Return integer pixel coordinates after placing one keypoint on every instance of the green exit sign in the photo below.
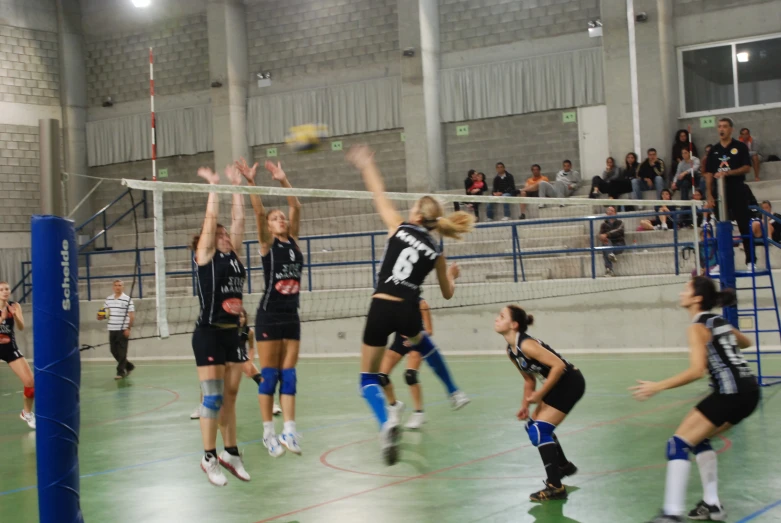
(336, 146)
(569, 117)
(271, 152)
(403, 137)
(162, 173)
(707, 122)
(462, 130)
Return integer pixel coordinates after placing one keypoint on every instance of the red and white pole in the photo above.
(152, 98)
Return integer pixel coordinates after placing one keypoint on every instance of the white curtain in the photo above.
(540, 83)
(359, 107)
(128, 138)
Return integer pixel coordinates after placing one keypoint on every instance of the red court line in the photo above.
(470, 462)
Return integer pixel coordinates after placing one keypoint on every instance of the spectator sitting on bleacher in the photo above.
(680, 144)
(609, 182)
(611, 233)
(650, 175)
(477, 188)
(567, 182)
(687, 174)
(532, 187)
(467, 183)
(753, 150)
(773, 227)
(504, 185)
(661, 221)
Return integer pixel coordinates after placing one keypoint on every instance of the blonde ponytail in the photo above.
(455, 225)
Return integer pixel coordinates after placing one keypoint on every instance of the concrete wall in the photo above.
(518, 141)
(763, 125)
(19, 176)
(29, 68)
(693, 7)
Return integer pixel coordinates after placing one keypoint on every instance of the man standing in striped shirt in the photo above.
(121, 314)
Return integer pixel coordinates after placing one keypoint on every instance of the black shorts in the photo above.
(729, 408)
(216, 346)
(10, 352)
(567, 391)
(271, 325)
(386, 317)
(398, 346)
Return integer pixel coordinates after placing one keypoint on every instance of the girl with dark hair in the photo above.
(715, 349)
(562, 387)
(609, 182)
(661, 221)
(683, 141)
(11, 318)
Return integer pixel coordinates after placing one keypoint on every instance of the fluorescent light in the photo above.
(742, 57)
(142, 3)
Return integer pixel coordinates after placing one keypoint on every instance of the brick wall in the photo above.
(472, 24)
(29, 66)
(327, 169)
(19, 176)
(687, 7)
(118, 65)
(518, 141)
(302, 37)
(763, 125)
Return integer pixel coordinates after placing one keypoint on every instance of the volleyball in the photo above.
(102, 314)
(306, 138)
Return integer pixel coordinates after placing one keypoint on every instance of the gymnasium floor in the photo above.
(140, 452)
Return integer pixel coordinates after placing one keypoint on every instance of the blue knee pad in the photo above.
(540, 432)
(704, 446)
(212, 398)
(269, 378)
(287, 384)
(677, 448)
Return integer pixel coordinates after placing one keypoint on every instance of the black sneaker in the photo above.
(549, 493)
(523, 216)
(568, 470)
(664, 518)
(705, 512)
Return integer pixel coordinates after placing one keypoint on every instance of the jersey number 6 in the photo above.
(405, 263)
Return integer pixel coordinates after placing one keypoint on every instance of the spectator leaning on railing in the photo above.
(504, 185)
(611, 233)
(566, 183)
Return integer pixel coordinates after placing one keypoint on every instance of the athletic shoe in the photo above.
(130, 368)
(505, 218)
(29, 418)
(664, 518)
(211, 466)
(714, 271)
(119, 376)
(234, 464)
(389, 442)
(568, 470)
(705, 512)
(664, 226)
(276, 410)
(395, 412)
(459, 400)
(415, 421)
(196, 413)
(609, 273)
(275, 450)
(549, 493)
(750, 267)
(289, 440)
(612, 257)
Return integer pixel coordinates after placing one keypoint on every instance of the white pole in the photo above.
(630, 18)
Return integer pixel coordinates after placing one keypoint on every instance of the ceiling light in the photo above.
(142, 3)
(742, 57)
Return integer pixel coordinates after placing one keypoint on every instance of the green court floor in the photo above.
(140, 452)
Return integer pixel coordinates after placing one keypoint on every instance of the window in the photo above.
(729, 76)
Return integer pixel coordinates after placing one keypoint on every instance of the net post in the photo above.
(160, 283)
(726, 252)
(57, 365)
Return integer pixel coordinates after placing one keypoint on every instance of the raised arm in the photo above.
(447, 277)
(237, 211)
(363, 158)
(207, 243)
(264, 235)
(294, 205)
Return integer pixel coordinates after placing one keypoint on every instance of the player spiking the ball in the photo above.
(411, 253)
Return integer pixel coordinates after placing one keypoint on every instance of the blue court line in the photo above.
(759, 512)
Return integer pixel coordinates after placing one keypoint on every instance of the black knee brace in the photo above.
(411, 376)
(384, 379)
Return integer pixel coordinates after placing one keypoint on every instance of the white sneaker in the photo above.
(612, 257)
(275, 450)
(276, 410)
(664, 226)
(29, 418)
(714, 271)
(458, 400)
(196, 413)
(415, 421)
(289, 440)
(750, 267)
(505, 218)
(389, 442)
(234, 464)
(395, 412)
(211, 467)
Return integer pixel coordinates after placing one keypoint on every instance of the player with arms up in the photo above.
(714, 348)
(411, 253)
(562, 387)
(10, 318)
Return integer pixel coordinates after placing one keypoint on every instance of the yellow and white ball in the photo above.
(306, 138)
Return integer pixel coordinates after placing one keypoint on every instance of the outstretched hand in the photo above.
(210, 176)
(644, 390)
(232, 174)
(247, 171)
(361, 156)
(276, 171)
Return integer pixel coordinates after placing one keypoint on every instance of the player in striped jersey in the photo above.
(562, 387)
(11, 318)
(220, 278)
(714, 348)
(411, 253)
(277, 325)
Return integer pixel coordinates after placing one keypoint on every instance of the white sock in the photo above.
(709, 474)
(268, 429)
(290, 427)
(675, 487)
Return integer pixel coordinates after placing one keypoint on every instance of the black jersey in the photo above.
(729, 158)
(7, 327)
(410, 255)
(728, 370)
(282, 275)
(243, 336)
(220, 289)
(530, 365)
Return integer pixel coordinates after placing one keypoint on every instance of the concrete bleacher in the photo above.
(327, 217)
